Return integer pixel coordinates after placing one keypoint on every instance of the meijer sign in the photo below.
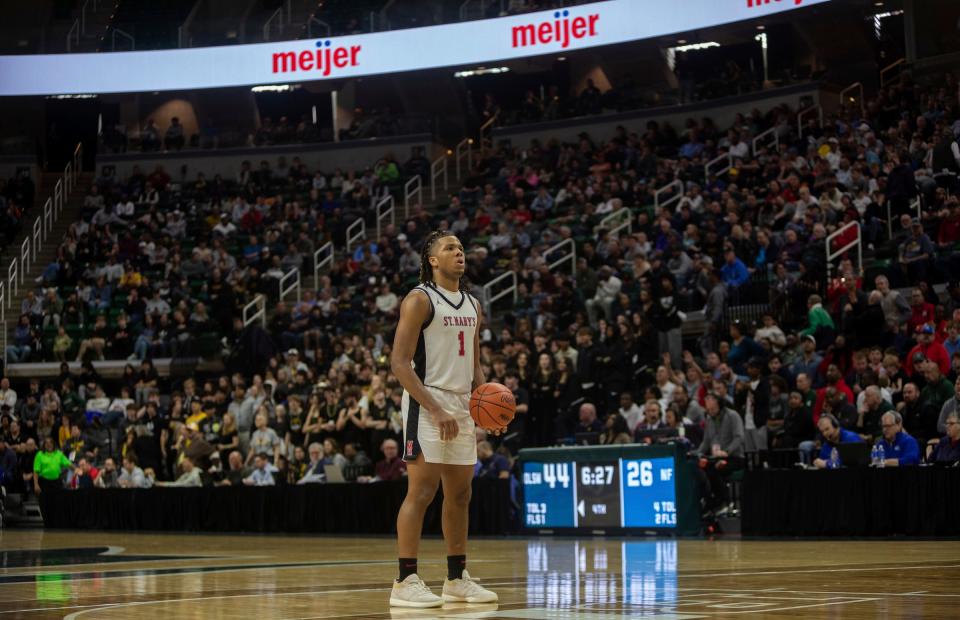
(468, 43)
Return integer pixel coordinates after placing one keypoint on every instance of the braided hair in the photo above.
(426, 271)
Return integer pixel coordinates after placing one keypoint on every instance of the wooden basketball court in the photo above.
(112, 575)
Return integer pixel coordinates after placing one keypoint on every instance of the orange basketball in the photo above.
(492, 406)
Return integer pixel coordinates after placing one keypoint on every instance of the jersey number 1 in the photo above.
(460, 338)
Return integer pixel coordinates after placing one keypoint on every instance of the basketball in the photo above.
(492, 406)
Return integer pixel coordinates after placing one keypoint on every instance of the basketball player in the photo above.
(435, 358)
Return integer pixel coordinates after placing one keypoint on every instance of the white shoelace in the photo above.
(420, 586)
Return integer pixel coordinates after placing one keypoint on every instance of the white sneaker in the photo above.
(466, 590)
(413, 592)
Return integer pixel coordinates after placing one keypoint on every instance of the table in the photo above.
(912, 501)
(349, 508)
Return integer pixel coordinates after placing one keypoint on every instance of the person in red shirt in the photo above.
(928, 348)
(921, 312)
(392, 467)
(834, 380)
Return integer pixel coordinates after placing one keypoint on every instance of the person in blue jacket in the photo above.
(734, 273)
(833, 436)
(899, 448)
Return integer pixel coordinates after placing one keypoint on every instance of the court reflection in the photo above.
(586, 574)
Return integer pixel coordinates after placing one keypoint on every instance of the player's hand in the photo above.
(499, 431)
(446, 424)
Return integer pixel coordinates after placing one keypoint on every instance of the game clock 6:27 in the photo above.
(598, 494)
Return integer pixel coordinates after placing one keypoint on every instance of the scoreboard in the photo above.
(602, 488)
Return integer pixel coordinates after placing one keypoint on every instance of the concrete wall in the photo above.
(601, 127)
(355, 155)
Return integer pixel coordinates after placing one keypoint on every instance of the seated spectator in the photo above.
(235, 473)
(832, 435)
(262, 474)
(721, 450)
(899, 448)
(491, 465)
(107, 478)
(587, 421)
(173, 139)
(131, 476)
(652, 418)
(8, 465)
(629, 411)
(947, 450)
(392, 467)
(819, 322)
(616, 431)
(189, 478)
(314, 468)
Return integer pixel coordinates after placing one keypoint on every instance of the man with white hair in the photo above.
(899, 448)
(872, 409)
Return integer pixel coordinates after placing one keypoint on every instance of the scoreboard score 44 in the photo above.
(616, 494)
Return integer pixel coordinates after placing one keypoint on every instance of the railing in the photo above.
(677, 186)
(13, 285)
(24, 259)
(355, 232)
(489, 298)
(183, 30)
(123, 35)
(464, 150)
(385, 209)
(896, 65)
(290, 283)
(73, 35)
(319, 263)
(615, 222)
(19, 266)
(570, 256)
(856, 86)
(438, 169)
(412, 189)
(322, 24)
(856, 242)
(766, 134)
(275, 19)
(804, 113)
(486, 132)
(726, 157)
(83, 15)
(256, 309)
(3, 312)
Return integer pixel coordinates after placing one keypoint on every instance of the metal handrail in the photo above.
(770, 132)
(291, 276)
(489, 300)
(278, 16)
(58, 196)
(313, 20)
(803, 113)
(354, 237)
(385, 209)
(73, 35)
(571, 255)
(83, 15)
(37, 235)
(413, 187)
(484, 129)
(183, 30)
(24, 259)
(3, 311)
(318, 262)
(259, 304)
(615, 222)
(858, 86)
(47, 219)
(857, 242)
(13, 284)
(718, 159)
(438, 168)
(125, 35)
(890, 67)
(464, 149)
(677, 197)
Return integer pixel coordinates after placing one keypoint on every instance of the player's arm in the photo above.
(414, 312)
(478, 377)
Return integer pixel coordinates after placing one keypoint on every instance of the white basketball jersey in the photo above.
(445, 353)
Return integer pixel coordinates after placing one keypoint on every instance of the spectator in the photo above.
(869, 414)
(916, 254)
(721, 449)
(587, 421)
(652, 418)
(616, 431)
(263, 440)
(314, 469)
(899, 448)
(734, 273)
(947, 449)
(262, 474)
(950, 406)
(819, 323)
(629, 411)
(236, 472)
(189, 478)
(927, 349)
(491, 465)
(608, 288)
(173, 138)
(107, 478)
(832, 435)
(131, 476)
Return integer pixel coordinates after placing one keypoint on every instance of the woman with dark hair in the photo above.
(48, 467)
(615, 431)
(543, 402)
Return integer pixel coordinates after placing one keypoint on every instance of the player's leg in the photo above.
(422, 481)
(459, 587)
